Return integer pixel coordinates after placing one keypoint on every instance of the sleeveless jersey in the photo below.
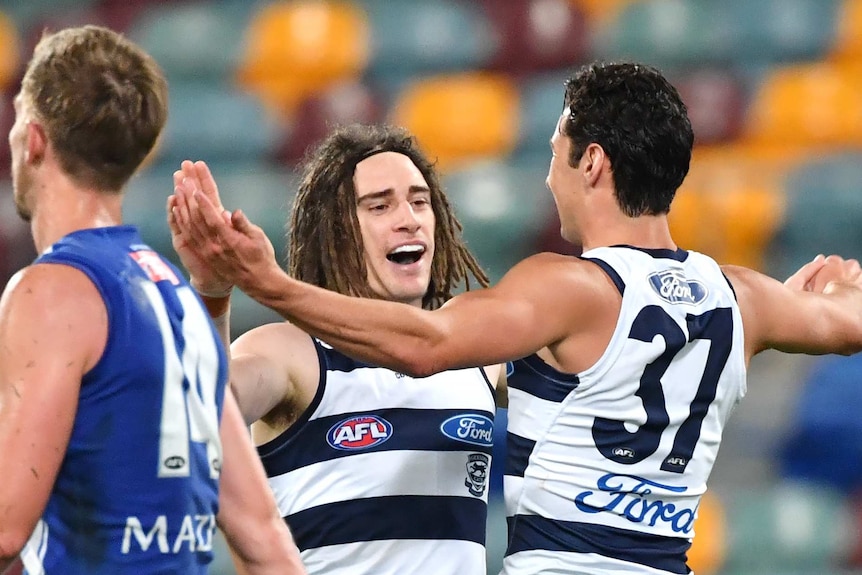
(605, 468)
(385, 474)
(137, 491)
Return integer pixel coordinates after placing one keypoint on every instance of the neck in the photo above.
(61, 207)
(650, 232)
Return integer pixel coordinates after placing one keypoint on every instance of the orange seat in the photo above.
(731, 204)
(10, 52)
(708, 548)
(814, 104)
(294, 49)
(848, 36)
(601, 11)
(461, 117)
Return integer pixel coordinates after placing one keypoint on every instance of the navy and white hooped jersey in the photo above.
(385, 474)
(605, 468)
(137, 491)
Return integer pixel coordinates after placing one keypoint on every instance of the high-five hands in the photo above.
(224, 248)
(826, 274)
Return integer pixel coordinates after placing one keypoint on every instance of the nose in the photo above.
(407, 219)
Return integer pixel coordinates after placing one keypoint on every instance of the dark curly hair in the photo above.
(324, 242)
(640, 121)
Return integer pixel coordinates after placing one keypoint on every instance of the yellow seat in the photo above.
(294, 49)
(10, 52)
(814, 104)
(461, 117)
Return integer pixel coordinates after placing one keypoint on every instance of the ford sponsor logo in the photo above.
(673, 287)
(470, 428)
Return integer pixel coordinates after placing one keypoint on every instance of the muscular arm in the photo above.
(257, 535)
(796, 320)
(273, 365)
(541, 302)
(53, 328)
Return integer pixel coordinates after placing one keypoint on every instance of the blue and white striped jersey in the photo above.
(606, 467)
(385, 474)
(137, 491)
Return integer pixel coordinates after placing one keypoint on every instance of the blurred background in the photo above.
(774, 90)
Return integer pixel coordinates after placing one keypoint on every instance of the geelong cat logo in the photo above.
(673, 287)
(359, 432)
(470, 428)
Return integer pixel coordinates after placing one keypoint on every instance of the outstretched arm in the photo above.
(476, 328)
(817, 310)
(53, 328)
(257, 535)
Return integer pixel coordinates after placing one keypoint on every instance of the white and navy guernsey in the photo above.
(385, 474)
(137, 492)
(605, 468)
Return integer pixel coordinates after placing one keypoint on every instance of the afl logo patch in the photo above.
(673, 287)
(359, 432)
(470, 428)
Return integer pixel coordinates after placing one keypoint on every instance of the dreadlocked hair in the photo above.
(324, 242)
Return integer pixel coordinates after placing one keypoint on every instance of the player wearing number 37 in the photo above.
(119, 449)
(641, 347)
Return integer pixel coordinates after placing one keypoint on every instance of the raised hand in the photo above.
(228, 244)
(836, 272)
(196, 178)
(800, 279)
(826, 273)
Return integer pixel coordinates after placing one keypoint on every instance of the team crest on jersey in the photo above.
(359, 432)
(477, 473)
(470, 428)
(673, 287)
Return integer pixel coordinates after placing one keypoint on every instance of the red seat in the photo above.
(536, 35)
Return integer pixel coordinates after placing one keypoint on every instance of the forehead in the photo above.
(558, 135)
(386, 170)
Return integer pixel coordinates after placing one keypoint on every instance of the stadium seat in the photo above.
(536, 34)
(460, 118)
(848, 37)
(731, 204)
(823, 211)
(212, 123)
(345, 103)
(600, 12)
(541, 103)
(665, 33)
(502, 209)
(808, 104)
(295, 49)
(26, 14)
(779, 30)
(706, 555)
(716, 103)
(191, 40)
(10, 51)
(431, 36)
(697, 32)
(786, 528)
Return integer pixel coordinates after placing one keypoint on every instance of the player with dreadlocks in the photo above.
(375, 472)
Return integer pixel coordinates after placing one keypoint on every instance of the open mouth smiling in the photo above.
(407, 254)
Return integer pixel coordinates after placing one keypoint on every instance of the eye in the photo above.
(421, 201)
